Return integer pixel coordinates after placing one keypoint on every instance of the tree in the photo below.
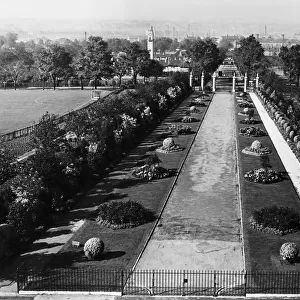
(120, 65)
(117, 45)
(162, 44)
(96, 59)
(291, 61)
(53, 61)
(249, 55)
(46, 131)
(136, 57)
(151, 68)
(14, 64)
(204, 55)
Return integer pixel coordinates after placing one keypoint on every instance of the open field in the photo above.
(21, 108)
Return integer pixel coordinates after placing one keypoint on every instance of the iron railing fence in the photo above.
(160, 282)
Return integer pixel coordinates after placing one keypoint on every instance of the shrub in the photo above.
(289, 251)
(93, 248)
(119, 214)
(6, 168)
(276, 220)
(24, 217)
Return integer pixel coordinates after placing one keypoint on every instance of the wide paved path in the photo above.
(200, 228)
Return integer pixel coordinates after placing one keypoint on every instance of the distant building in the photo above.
(272, 45)
(173, 61)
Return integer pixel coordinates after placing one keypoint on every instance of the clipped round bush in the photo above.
(296, 139)
(93, 248)
(257, 149)
(288, 129)
(289, 251)
(169, 146)
(121, 214)
(292, 134)
(275, 220)
(298, 146)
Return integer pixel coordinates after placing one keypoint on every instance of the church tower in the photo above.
(150, 42)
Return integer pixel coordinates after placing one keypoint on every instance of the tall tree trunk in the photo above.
(44, 83)
(95, 83)
(54, 82)
(81, 83)
(134, 76)
(15, 84)
(120, 80)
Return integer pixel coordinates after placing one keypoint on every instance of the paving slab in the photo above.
(200, 228)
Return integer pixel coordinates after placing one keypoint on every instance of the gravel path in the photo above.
(200, 227)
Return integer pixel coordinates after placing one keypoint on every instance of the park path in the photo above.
(200, 228)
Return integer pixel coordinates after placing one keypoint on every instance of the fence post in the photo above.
(122, 282)
(245, 283)
(153, 274)
(215, 284)
(18, 285)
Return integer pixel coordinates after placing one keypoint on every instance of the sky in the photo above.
(279, 11)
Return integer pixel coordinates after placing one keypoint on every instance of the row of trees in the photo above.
(96, 59)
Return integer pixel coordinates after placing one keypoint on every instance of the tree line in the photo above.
(95, 59)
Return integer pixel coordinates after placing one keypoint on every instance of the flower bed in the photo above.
(151, 172)
(256, 149)
(180, 129)
(275, 220)
(186, 119)
(243, 104)
(250, 121)
(119, 214)
(193, 110)
(263, 175)
(197, 102)
(252, 131)
(169, 146)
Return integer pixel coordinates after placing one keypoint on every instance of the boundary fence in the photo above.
(159, 282)
(29, 129)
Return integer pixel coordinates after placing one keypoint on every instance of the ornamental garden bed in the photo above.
(252, 131)
(122, 246)
(262, 249)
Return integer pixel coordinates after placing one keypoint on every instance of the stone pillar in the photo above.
(256, 81)
(233, 83)
(245, 83)
(214, 82)
(202, 81)
(191, 79)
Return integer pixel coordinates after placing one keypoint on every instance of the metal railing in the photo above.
(159, 282)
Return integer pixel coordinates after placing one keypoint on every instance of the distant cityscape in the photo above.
(32, 29)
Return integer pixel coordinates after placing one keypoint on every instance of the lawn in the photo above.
(123, 246)
(262, 250)
(21, 108)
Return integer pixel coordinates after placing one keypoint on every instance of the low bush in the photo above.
(93, 248)
(289, 251)
(275, 220)
(119, 214)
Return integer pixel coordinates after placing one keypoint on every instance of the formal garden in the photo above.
(270, 204)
